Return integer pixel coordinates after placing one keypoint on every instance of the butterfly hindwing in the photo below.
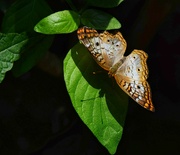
(135, 66)
(131, 77)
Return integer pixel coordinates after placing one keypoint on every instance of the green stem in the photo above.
(71, 5)
(84, 8)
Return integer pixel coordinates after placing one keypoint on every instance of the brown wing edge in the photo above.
(145, 101)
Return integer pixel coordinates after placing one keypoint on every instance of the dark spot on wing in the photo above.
(97, 43)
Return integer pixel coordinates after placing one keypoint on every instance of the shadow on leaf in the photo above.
(116, 99)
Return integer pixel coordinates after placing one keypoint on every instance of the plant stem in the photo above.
(71, 5)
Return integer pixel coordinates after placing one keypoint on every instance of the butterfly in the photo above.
(130, 72)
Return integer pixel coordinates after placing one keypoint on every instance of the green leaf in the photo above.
(65, 21)
(101, 105)
(24, 14)
(37, 47)
(104, 3)
(10, 47)
(99, 20)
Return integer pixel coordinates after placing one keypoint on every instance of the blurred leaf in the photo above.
(10, 47)
(24, 14)
(104, 3)
(99, 20)
(36, 48)
(65, 21)
(100, 105)
(51, 64)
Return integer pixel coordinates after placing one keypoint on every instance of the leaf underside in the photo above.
(11, 45)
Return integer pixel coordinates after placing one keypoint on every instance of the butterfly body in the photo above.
(130, 72)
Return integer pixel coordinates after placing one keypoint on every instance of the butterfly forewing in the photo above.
(106, 48)
(130, 72)
(113, 46)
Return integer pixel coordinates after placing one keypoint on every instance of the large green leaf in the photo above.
(99, 20)
(104, 3)
(10, 47)
(60, 22)
(99, 102)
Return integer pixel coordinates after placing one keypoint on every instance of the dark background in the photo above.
(36, 114)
